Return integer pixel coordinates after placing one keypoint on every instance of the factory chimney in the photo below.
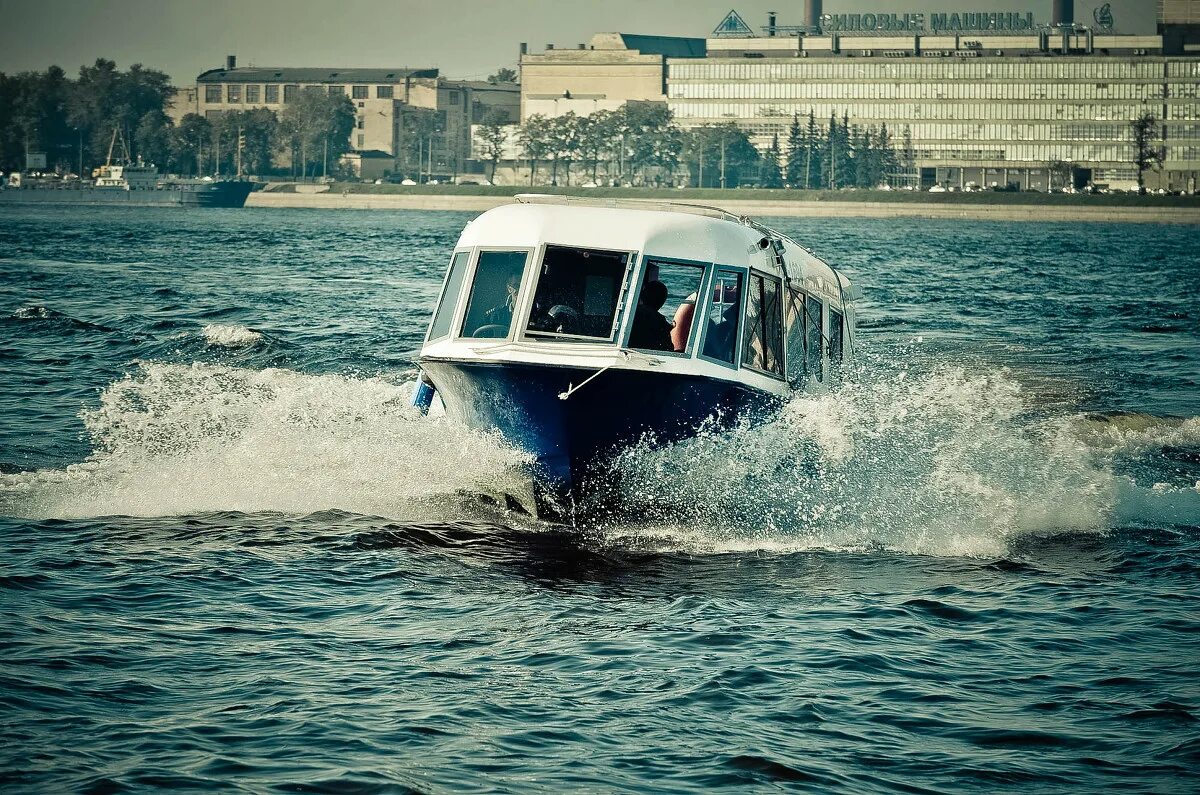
(812, 15)
(770, 23)
(230, 62)
(1062, 13)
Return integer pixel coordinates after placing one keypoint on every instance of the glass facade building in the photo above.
(974, 113)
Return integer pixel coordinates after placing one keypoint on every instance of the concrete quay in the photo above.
(762, 208)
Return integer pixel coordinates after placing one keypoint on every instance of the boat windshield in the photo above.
(494, 294)
(442, 317)
(578, 293)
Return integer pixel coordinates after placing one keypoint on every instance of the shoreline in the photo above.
(797, 208)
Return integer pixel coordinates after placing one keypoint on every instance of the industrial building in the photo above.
(387, 103)
(986, 98)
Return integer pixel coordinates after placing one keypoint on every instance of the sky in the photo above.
(467, 39)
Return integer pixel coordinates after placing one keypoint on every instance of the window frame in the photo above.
(636, 294)
(830, 311)
(741, 314)
(619, 315)
(779, 293)
(821, 337)
(360, 91)
(460, 314)
(454, 319)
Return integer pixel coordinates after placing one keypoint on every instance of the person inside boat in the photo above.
(651, 330)
(682, 325)
(502, 313)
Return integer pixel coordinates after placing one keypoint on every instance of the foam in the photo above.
(177, 440)
(944, 462)
(230, 336)
(947, 463)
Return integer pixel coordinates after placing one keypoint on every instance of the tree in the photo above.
(152, 138)
(796, 146)
(189, 144)
(419, 128)
(535, 141)
(562, 136)
(493, 134)
(813, 171)
(1146, 153)
(720, 155)
(247, 139)
(889, 164)
(908, 158)
(503, 75)
(317, 123)
(590, 142)
(771, 176)
(1058, 172)
(651, 138)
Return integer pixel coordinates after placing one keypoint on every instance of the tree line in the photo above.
(640, 144)
(73, 122)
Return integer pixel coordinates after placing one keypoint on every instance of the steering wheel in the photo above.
(565, 318)
(491, 330)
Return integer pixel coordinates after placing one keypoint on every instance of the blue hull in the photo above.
(572, 439)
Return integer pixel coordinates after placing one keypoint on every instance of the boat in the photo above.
(126, 183)
(577, 326)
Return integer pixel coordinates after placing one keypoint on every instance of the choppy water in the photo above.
(233, 557)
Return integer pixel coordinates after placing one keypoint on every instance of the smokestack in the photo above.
(1062, 13)
(812, 15)
(770, 23)
(230, 62)
(524, 48)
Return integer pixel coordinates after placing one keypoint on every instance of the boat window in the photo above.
(835, 336)
(578, 292)
(666, 327)
(444, 315)
(813, 309)
(794, 319)
(763, 340)
(723, 314)
(494, 294)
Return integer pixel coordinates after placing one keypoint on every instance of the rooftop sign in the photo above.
(934, 23)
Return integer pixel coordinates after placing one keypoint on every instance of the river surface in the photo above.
(232, 557)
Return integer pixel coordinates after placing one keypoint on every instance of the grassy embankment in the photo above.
(760, 194)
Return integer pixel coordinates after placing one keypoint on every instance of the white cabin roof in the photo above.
(675, 231)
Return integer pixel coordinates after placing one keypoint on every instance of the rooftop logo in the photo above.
(733, 25)
(1103, 16)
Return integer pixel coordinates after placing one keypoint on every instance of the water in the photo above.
(232, 556)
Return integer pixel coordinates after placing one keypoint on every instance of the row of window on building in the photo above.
(270, 93)
(880, 71)
(874, 112)
(1007, 91)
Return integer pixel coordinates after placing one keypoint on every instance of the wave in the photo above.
(186, 439)
(230, 336)
(946, 462)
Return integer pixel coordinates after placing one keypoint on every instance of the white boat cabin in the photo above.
(595, 283)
